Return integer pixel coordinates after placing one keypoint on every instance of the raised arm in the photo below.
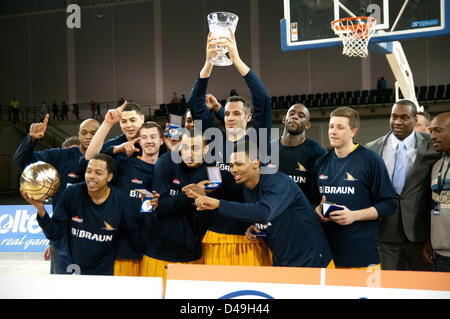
(262, 104)
(25, 153)
(197, 98)
(111, 118)
(275, 199)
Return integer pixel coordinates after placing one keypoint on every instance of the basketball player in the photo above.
(355, 179)
(131, 173)
(66, 162)
(297, 153)
(130, 123)
(180, 226)
(225, 242)
(279, 208)
(88, 219)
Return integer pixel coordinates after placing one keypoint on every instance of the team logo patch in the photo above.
(136, 181)
(72, 175)
(77, 219)
(108, 226)
(176, 181)
(350, 177)
(321, 176)
(301, 168)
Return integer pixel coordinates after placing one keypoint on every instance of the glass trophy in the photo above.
(218, 23)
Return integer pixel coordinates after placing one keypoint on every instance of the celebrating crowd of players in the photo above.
(263, 213)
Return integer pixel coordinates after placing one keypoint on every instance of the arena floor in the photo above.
(24, 263)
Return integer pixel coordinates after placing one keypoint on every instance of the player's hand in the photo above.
(250, 232)
(114, 115)
(37, 130)
(196, 190)
(212, 103)
(47, 255)
(170, 142)
(212, 47)
(206, 203)
(427, 253)
(154, 200)
(39, 205)
(319, 213)
(342, 217)
(230, 43)
(128, 147)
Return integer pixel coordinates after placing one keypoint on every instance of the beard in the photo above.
(297, 130)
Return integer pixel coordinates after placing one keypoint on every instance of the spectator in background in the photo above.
(64, 110)
(423, 121)
(381, 83)
(92, 104)
(76, 111)
(55, 110)
(233, 92)
(43, 111)
(174, 98)
(15, 105)
(99, 115)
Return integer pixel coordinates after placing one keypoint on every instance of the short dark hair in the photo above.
(409, 103)
(250, 149)
(133, 107)
(245, 102)
(151, 124)
(71, 141)
(348, 112)
(107, 159)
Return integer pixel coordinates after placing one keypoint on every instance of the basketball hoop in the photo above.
(355, 33)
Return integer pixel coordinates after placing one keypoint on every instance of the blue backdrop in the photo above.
(19, 229)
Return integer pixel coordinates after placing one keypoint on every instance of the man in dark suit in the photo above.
(409, 157)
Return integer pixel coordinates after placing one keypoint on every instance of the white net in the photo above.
(355, 34)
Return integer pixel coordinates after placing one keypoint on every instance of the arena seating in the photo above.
(334, 99)
(363, 97)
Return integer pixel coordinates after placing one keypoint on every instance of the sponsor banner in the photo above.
(232, 282)
(19, 229)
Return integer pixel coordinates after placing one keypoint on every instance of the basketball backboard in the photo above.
(306, 23)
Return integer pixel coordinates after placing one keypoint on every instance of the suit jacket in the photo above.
(411, 220)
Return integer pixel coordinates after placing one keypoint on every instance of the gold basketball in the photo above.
(39, 181)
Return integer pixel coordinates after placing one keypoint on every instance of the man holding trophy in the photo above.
(225, 242)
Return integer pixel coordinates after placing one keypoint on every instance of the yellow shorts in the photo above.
(331, 265)
(225, 249)
(151, 267)
(126, 267)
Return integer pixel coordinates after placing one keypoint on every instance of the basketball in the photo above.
(39, 180)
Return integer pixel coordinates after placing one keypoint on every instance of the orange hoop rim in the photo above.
(354, 27)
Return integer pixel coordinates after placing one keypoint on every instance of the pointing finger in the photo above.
(120, 108)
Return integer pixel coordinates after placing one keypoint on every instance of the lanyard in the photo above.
(440, 184)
